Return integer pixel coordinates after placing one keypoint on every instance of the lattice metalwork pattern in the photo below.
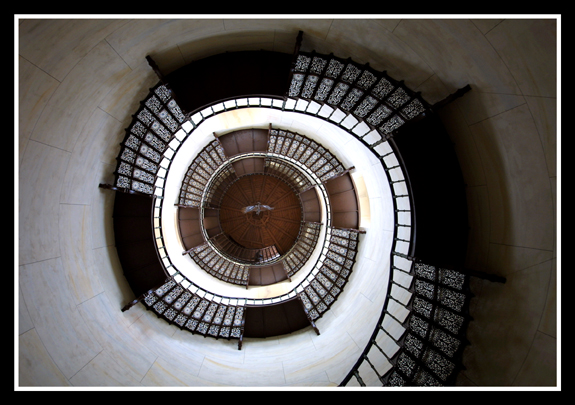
(303, 249)
(383, 103)
(216, 265)
(147, 139)
(195, 313)
(200, 172)
(277, 167)
(242, 254)
(200, 180)
(332, 276)
(435, 337)
(312, 155)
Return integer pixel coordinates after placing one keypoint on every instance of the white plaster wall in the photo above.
(79, 80)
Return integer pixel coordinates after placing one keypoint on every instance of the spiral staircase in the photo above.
(426, 310)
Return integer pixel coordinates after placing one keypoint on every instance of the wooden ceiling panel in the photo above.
(258, 229)
(245, 141)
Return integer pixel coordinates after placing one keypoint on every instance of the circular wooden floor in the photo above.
(257, 229)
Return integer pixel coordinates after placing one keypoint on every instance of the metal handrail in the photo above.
(204, 116)
(214, 178)
(282, 104)
(396, 253)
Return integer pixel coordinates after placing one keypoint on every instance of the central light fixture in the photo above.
(259, 207)
(254, 231)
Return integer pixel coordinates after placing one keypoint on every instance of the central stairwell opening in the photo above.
(420, 334)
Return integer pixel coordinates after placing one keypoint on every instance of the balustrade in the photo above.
(147, 141)
(224, 244)
(201, 171)
(214, 170)
(328, 283)
(195, 313)
(298, 256)
(373, 97)
(322, 288)
(429, 340)
(421, 332)
(317, 159)
(214, 263)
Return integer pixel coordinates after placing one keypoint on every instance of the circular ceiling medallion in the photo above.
(260, 211)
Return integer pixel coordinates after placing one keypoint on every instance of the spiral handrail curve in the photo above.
(402, 276)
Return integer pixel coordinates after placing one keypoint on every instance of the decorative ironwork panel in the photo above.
(318, 64)
(193, 313)
(351, 99)
(378, 115)
(302, 63)
(306, 151)
(334, 68)
(146, 140)
(434, 340)
(303, 249)
(310, 86)
(210, 158)
(338, 93)
(366, 80)
(383, 103)
(296, 84)
(365, 107)
(329, 282)
(383, 88)
(391, 124)
(212, 263)
(350, 73)
(324, 89)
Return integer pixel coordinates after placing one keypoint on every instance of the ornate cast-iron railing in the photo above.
(147, 141)
(317, 287)
(387, 155)
(402, 262)
(168, 306)
(423, 317)
(289, 156)
(195, 312)
(420, 334)
(372, 97)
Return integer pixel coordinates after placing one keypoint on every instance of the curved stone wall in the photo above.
(80, 79)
